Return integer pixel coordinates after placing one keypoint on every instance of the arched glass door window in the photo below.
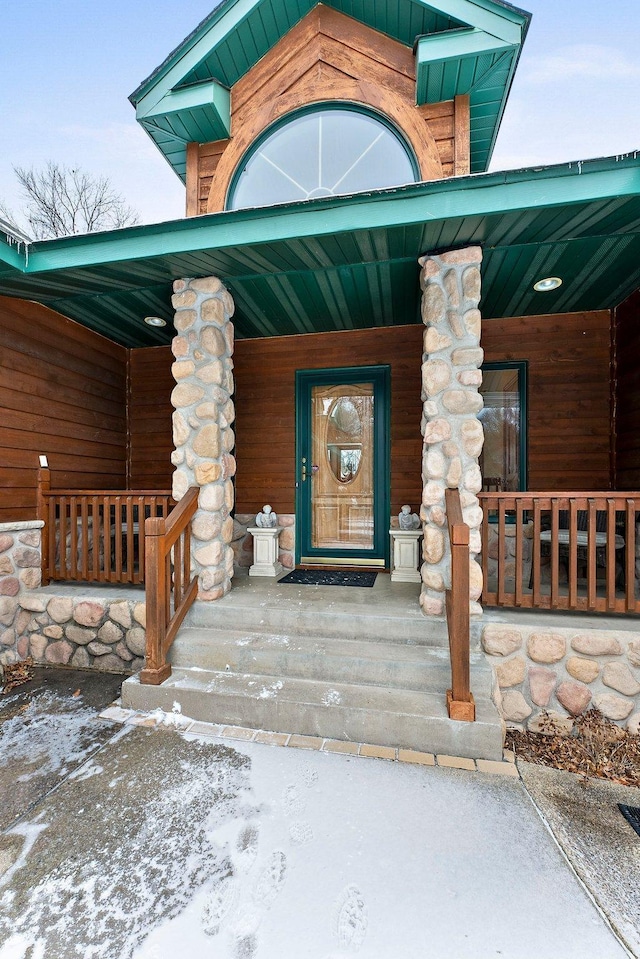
(328, 151)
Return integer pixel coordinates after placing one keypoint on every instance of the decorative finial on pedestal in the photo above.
(267, 519)
(407, 519)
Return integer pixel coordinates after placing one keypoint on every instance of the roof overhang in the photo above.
(348, 262)
(462, 47)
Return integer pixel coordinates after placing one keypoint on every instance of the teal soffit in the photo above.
(462, 47)
(341, 263)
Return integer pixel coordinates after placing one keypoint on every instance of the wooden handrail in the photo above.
(164, 535)
(460, 702)
(545, 550)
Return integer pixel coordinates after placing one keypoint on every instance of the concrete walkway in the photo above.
(148, 842)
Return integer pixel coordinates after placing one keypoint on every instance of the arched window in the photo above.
(327, 151)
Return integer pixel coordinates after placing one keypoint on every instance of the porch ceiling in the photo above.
(350, 262)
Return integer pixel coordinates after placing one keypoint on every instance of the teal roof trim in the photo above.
(349, 262)
(196, 114)
(12, 256)
(470, 35)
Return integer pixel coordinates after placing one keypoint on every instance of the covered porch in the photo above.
(336, 283)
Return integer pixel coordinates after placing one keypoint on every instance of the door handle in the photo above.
(306, 473)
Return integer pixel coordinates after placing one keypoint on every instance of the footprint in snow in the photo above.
(245, 948)
(219, 904)
(350, 918)
(271, 880)
(293, 801)
(309, 776)
(245, 934)
(301, 833)
(247, 846)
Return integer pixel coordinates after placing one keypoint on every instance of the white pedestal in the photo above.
(404, 547)
(265, 551)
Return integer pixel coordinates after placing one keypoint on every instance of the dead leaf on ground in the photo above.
(596, 747)
(15, 674)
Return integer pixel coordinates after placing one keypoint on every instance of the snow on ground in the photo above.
(168, 844)
(42, 739)
(349, 857)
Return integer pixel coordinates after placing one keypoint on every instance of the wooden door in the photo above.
(343, 474)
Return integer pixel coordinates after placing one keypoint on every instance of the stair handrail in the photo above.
(164, 537)
(460, 702)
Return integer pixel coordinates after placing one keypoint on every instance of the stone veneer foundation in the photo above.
(452, 433)
(79, 631)
(202, 424)
(558, 673)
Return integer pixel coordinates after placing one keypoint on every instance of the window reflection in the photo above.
(502, 420)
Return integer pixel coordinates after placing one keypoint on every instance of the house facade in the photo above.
(357, 316)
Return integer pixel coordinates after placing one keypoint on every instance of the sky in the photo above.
(67, 68)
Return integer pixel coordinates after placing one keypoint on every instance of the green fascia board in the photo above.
(457, 47)
(502, 20)
(12, 256)
(415, 205)
(171, 73)
(197, 114)
(209, 98)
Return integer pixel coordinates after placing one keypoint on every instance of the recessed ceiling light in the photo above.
(155, 321)
(549, 283)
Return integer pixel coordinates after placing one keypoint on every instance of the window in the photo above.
(503, 459)
(328, 151)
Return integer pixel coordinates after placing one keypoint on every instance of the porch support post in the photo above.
(452, 433)
(202, 424)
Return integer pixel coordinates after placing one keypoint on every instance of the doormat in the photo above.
(632, 815)
(330, 577)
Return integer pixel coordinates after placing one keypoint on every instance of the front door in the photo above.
(342, 480)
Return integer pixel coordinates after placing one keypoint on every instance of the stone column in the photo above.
(202, 420)
(453, 435)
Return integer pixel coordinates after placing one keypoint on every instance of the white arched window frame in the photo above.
(327, 150)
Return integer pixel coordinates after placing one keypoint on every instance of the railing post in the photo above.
(460, 702)
(42, 507)
(156, 669)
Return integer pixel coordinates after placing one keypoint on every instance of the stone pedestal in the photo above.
(265, 551)
(404, 549)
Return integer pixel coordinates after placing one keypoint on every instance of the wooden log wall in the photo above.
(570, 394)
(627, 393)
(63, 393)
(149, 417)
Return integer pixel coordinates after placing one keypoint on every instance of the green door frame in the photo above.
(380, 376)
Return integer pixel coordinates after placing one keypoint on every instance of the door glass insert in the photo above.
(342, 419)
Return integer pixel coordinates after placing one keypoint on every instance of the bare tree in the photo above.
(63, 200)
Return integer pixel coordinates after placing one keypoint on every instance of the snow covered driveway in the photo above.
(165, 844)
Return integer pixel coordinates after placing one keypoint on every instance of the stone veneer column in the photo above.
(202, 432)
(453, 435)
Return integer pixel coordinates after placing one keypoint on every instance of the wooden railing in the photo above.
(95, 536)
(460, 703)
(170, 588)
(573, 551)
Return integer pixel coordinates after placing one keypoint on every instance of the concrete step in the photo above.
(361, 621)
(311, 657)
(352, 711)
